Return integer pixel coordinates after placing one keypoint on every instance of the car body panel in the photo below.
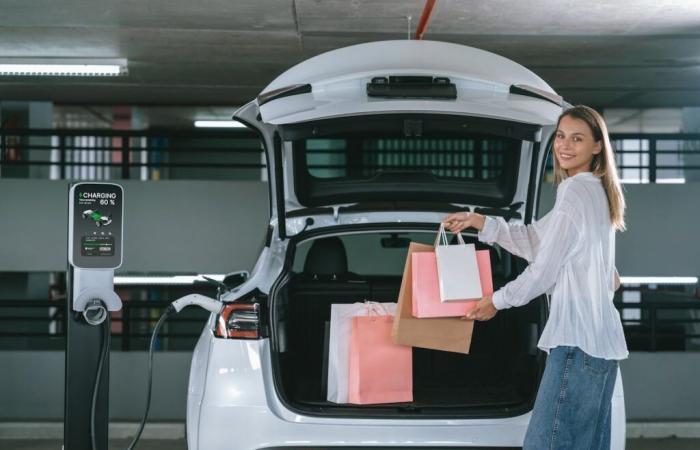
(351, 100)
(241, 410)
(338, 79)
(422, 55)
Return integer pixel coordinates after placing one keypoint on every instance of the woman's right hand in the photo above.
(458, 221)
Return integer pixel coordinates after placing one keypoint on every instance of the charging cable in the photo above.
(211, 305)
(97, 315)
(168, 311)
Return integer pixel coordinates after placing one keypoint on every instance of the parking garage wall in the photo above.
(661, 237)
(170, 226)
(219, 226)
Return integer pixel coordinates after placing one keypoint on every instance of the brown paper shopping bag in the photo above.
(451, 334)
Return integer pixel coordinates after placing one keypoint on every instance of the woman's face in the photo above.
(574, 145)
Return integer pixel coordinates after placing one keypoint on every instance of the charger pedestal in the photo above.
(83, 343)
(95, 243)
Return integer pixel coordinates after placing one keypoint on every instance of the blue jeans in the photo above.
(573, 406)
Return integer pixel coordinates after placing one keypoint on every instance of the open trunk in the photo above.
(499, 377)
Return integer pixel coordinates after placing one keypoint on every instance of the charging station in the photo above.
(95, 248)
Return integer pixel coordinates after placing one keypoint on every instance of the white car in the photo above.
(369, 147)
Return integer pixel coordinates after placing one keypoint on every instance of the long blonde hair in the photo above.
(603, 165)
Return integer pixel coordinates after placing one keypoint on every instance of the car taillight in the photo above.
(239, 321)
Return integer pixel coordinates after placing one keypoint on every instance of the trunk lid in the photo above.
(411, 128)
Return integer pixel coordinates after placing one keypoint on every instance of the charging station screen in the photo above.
(97, 246)
(96, 225)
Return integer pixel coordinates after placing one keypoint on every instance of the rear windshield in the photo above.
(459, 164)
(364, 158)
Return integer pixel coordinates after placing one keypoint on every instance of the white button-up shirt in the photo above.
(571, 251)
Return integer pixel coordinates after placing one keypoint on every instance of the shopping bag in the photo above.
(339, 344)
(457, 268)
(379, 371)
(451, 334)
(425, 299)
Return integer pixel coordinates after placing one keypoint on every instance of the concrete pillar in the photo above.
(691, 124)
(34, 115)
(41, 117)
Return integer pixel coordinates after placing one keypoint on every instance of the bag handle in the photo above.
(373, 307)
(441, 238)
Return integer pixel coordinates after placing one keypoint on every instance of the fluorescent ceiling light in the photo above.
(671, 180)
(126, 280)
(634, 180)
(658, 180)
(659, 280)
(218, 124)
(62, 67)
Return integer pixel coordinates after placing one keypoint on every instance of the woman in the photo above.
(571, 252)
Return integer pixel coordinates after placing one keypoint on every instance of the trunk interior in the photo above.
(499, 377)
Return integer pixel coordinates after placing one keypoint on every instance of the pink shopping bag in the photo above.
(426, 288)
(379, 370)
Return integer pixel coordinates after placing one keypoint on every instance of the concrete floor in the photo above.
(180, 444)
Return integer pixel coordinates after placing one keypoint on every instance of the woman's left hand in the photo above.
(484, 310)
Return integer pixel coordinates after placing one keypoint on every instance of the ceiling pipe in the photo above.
(424, 18)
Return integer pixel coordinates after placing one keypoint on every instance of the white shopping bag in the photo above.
(458, 270)
(339, 345)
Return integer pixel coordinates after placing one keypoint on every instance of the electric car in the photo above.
(368, 147)
(99, 218)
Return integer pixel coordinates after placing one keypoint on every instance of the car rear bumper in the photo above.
(236, 407)
(247, 429)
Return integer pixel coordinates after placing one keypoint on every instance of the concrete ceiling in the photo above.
(611, 53)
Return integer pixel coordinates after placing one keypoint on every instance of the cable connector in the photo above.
(202, 301)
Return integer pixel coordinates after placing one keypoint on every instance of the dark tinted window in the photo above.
(419, 159)
(358, 158)
(379, 253)
(370, 253)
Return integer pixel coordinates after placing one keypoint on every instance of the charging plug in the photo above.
(202, 301)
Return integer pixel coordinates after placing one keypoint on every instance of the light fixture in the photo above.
(63, 67)
(670, 180)
(658, 180)
(218, 124)
(126, 280)
(659, 280)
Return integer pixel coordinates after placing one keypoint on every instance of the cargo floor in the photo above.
(501, 369)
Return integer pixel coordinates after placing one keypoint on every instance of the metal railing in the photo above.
(672, 324)
(653, 332)
(93, 154)
(660, 317)
(96, 154)
(656, 157)
(131, 327)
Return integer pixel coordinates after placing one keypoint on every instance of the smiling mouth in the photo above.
(566, 157)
